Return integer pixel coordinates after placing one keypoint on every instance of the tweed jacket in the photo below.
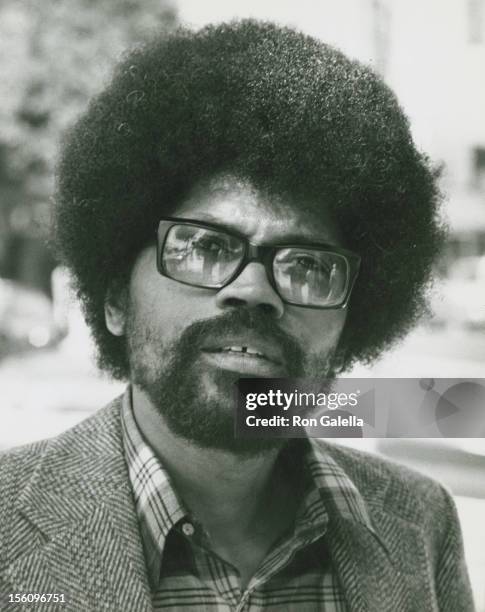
(68, 525)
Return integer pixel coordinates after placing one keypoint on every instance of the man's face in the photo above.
(179, 337)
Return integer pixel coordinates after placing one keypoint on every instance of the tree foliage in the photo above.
(54, 55)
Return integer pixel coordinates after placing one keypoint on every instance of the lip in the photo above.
(244, 363)
(269, 352)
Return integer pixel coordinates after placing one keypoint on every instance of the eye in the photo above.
(305, 262)
(310, 264)
(210, 244)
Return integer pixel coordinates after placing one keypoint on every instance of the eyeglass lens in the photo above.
(310, 277)
(209, 258)
(201, 256)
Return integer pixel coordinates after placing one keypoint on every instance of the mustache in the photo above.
(238, 321)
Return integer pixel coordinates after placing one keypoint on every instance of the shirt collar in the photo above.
(329, 491)
(156, 500)
(336, 490)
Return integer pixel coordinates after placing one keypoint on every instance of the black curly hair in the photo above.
(270, 105)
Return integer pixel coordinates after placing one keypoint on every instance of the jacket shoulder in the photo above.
(407, 495)
(401, 490)
(412, 503)
(17, 465)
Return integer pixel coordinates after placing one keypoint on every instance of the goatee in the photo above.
(197, 402)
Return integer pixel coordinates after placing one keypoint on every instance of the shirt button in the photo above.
(188, 529)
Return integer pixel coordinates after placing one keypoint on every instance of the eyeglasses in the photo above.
(210, 256)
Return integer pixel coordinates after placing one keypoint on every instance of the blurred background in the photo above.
(54, 55)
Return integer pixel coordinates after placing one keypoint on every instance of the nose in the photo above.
(253, 290)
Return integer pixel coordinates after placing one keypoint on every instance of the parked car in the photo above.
(26, 319)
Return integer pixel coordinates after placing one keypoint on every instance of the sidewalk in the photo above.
(44, 393)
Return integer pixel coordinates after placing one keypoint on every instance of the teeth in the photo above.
(242, 349)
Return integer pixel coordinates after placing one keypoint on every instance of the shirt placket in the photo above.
(213, 571)
(274, 563)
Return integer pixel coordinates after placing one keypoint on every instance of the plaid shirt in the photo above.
(184, 573)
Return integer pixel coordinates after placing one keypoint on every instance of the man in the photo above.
(240, 201)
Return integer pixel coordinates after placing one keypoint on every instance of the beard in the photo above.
(197, 402)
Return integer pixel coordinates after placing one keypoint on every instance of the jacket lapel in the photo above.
(385, 568)
(79, 504)
(372, 577)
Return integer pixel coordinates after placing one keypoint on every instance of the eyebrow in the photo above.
(287, 238)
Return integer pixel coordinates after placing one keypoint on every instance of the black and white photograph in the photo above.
(211, 213)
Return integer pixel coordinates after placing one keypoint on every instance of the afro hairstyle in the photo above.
(290, 114)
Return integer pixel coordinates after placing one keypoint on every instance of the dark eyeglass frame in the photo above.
(261, 254)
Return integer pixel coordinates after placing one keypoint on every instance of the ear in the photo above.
(115, 307)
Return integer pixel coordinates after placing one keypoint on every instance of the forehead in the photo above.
(260, 216)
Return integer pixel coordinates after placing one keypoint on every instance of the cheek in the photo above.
(161, 311)
(163, 307)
